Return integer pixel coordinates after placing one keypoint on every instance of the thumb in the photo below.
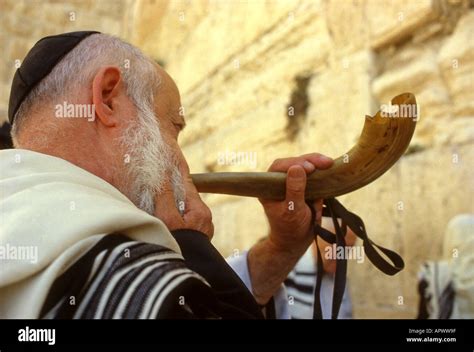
(295, 184)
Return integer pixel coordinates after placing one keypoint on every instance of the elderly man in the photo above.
(100, 218)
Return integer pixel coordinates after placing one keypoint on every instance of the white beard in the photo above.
(151, 163)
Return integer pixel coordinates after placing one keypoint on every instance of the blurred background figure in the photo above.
(446, 287)
(301, 281)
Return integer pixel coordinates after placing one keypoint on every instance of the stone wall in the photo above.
(24, 22)
(240, 66)
(284, 77)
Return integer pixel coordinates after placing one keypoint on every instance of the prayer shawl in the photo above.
(300, 289)
(446, 287)
(73, 246)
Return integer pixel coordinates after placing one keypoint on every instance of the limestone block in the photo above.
(453, 132)
(278, 148)
(456, 60)
(194, 154)
(414, 76)
(8, 5)
(19, 24)
(243, 24)
(109, 8)
(392, 22)
(61, 14)
(246, 134)
(347, 23)
(442, 195)
(339, 100)
(432, 186)
(236, 92)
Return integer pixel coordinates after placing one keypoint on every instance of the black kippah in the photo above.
(38, 63)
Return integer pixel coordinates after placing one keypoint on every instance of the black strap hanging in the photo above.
(334, 209)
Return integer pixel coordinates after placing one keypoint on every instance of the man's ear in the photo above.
(106, 89)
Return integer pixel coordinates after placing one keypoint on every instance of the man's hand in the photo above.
(272, 259)
(196, 215)
(290, 220)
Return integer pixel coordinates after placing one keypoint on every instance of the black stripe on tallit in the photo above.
(73, 280)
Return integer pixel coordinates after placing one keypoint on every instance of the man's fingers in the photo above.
(168, 214)
(320, 161)
(309, 162)
(282, 165)
(295, 184)
(190, 192)
(318, 207)
(196, 211)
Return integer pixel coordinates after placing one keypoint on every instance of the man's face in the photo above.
(156, 160)
(168, 112)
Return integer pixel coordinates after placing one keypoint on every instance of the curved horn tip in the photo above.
(404, 97)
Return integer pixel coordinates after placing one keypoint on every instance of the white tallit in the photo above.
(61, 210)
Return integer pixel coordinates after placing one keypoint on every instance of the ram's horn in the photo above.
(383, 140)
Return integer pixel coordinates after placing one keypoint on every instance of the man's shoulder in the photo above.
(122, 278)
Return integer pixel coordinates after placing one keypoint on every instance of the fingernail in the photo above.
(297, 172)
(308, 166)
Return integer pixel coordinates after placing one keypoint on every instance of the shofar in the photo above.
(382, 142)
